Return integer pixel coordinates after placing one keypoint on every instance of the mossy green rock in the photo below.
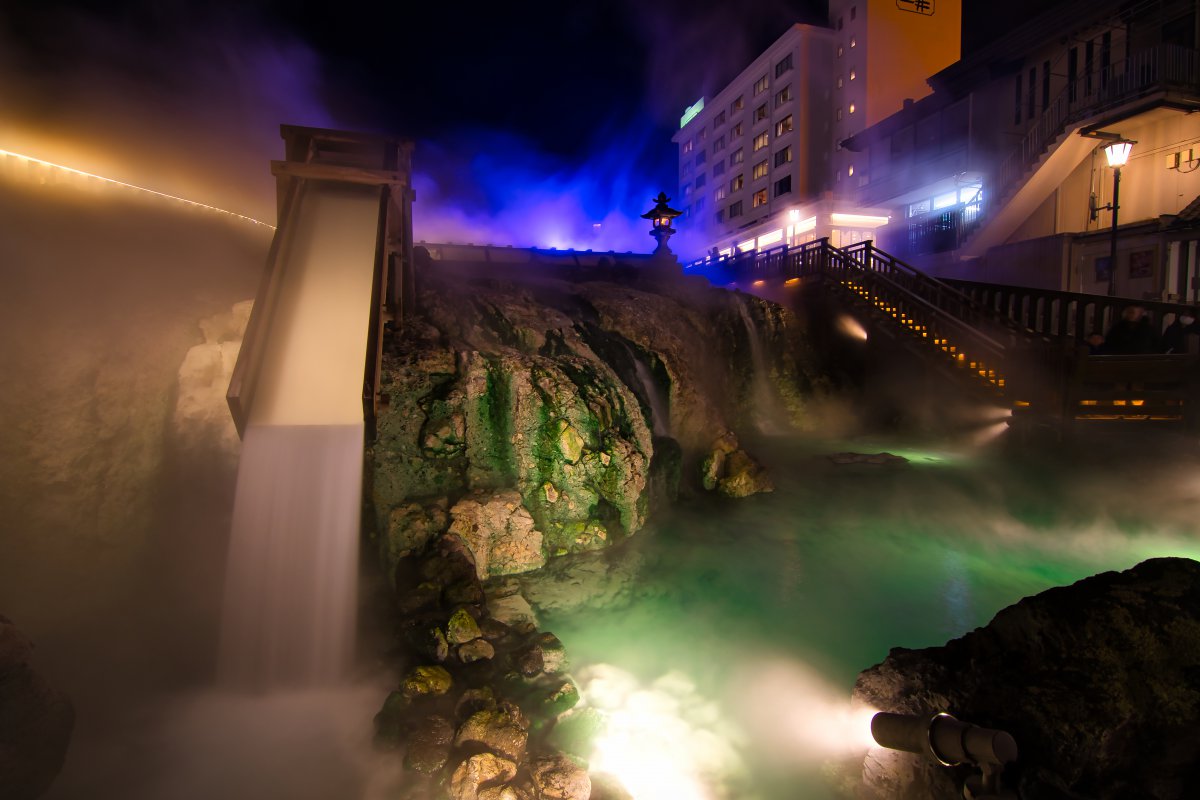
(462, 628)
(426, 680)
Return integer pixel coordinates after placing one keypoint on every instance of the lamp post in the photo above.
(1117, 154)
(661, 216)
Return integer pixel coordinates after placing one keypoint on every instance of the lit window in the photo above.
(760, 198)
(945, 200)
(917, 209)
(784, 156)
(783, 185)
(735, 209)
(760, 85)
(853, 74)
(852, 41)
(737, 183)
(687, 189)
(719, 194)
(784, 65)
(703, 134)
(737, 105)
(760, 170)
(738, 156)
(852, 107)
(761, 141)
(783, 95)
(735, 132)
(783, 126)
(849, 172)
(687, 146)
(760, 113)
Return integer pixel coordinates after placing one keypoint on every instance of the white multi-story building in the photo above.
(761, 163)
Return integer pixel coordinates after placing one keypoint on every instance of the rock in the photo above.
(499, 533)
(559, 778)
(410, 529)
(505, 793)
(35, 720)
(1098, 682)
(554, 655)
(429, 744)
(450, 563)
(474, 700)
(462, 628)
(502, 730)
(389, 722)
(426, 680)
(563, 697)
(607, 787)
(493, 629)
(743, 476)
(479, 772)
(512, 610)
(576, 731)
(476, 650)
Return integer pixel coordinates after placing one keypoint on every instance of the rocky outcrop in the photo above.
(35, 720)
(536, 416)
(1098, 682)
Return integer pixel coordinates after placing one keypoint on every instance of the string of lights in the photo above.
(124, 185)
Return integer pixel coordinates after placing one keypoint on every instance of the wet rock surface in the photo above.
(35, 720)
(1098, 682)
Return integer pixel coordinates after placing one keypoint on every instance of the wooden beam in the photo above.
(334, 172)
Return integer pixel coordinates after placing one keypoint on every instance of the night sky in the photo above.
(510, 104)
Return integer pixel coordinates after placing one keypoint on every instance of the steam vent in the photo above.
(422, 466)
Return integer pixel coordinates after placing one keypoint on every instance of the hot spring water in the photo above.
(750, 620)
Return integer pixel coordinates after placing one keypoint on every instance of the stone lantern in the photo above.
(661, 216)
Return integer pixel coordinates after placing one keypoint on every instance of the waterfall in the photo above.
(770, 417)
(661, 424)
(291, 584)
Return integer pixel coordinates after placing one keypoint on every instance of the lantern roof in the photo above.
(661, 209)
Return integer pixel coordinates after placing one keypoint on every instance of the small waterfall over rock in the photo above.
(290, 591)
(768, 413)
(659, 407)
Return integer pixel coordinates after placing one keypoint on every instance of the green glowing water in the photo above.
(842, 563)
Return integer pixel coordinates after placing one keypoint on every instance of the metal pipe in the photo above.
(1112, 250)
(943, 739)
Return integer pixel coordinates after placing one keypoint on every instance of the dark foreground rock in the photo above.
(35, 721)
(1098, 682)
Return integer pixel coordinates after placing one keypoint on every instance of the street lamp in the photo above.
(1117, 154)
(661, 216)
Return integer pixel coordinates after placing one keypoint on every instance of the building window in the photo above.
(760, 85)
(917, 209)
(784, 156)
(718, 120)
(760, 113)
(760, 170)
(761, 141)
(784, 65)
(738, 156)
(760, 198)
(1072, 74)
(687, 189)
(702, 135)
(701, 157)
(719, 168)
(735, 132)
(718, 144)
(688, 146)
(839, 113)
(701, 179)
(850, 171)
(1031, 100)
(840, 51)
(852, 108)
(853, 42)
(737, 183)
(785, 125)
(839, 81)
(699, 207)
(1045, 85)
(853, 12)
(1017, 108)
(735, 209)
(719, 194)
(782, 186)
(853, 74)
(783, 95)
(720, 216)
(737, 105)
(839, 23)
